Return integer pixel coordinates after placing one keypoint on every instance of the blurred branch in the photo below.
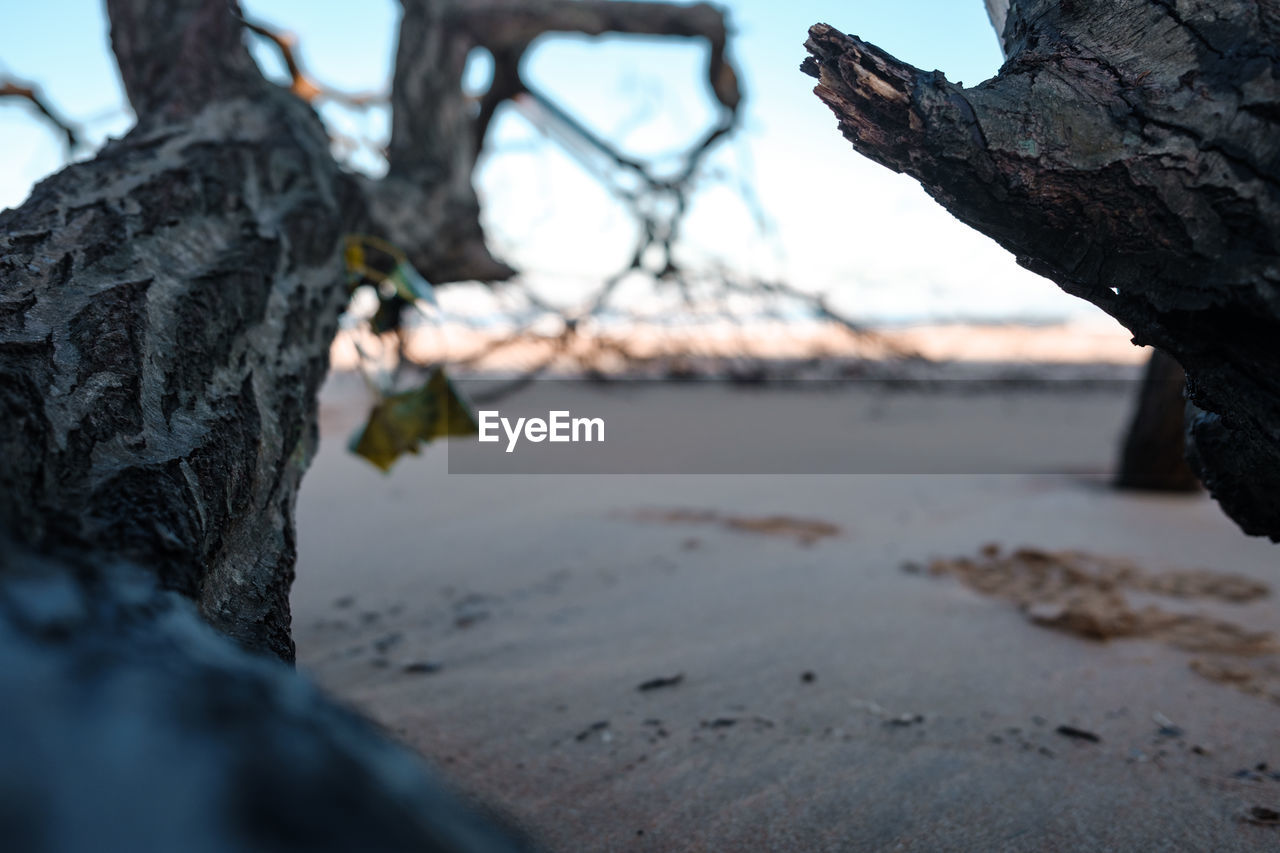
(432, 119)
(506, 28)
(13, 89)
(503, 23)
(301, 83)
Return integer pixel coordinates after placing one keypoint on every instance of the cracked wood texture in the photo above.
(1128, 150)
(165, 316)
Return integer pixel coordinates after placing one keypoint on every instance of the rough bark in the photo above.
(1153, 451)
(1129, 150)
(1153, 456)
(165, 316)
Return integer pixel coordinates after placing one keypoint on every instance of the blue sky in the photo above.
(841, 225)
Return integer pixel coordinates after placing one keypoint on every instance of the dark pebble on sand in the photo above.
(1078, 734)
(1263, 816)
(422, 667)
(591, 729)
(382, 644)
(661, 682)
(719, 723)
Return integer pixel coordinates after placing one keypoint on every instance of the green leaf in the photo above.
(399, 423)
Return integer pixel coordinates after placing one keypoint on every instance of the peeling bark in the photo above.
(1129, 150)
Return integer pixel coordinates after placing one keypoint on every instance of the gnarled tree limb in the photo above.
(1129, 150)
(426, 204)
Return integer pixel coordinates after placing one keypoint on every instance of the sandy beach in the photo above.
(800, 662)
(719, 409)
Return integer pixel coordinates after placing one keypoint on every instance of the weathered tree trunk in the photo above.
(166, 312)
(166, 309)
(1153, 456)
(1153, 452)
(165, 316)
(1129, 150)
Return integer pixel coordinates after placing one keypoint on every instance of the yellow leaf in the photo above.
(399, 423)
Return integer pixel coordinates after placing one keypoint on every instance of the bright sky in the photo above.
(842, 225)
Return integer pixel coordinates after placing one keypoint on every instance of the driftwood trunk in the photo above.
(165, 316)
(1153, 453)
(166, 309)
(166, 312)
(1129, 150)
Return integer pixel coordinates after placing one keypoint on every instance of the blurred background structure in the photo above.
(560, 174)
(654, 204)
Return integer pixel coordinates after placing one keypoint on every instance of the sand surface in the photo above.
(852, 662)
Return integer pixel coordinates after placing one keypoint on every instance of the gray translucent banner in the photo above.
(794, 427)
